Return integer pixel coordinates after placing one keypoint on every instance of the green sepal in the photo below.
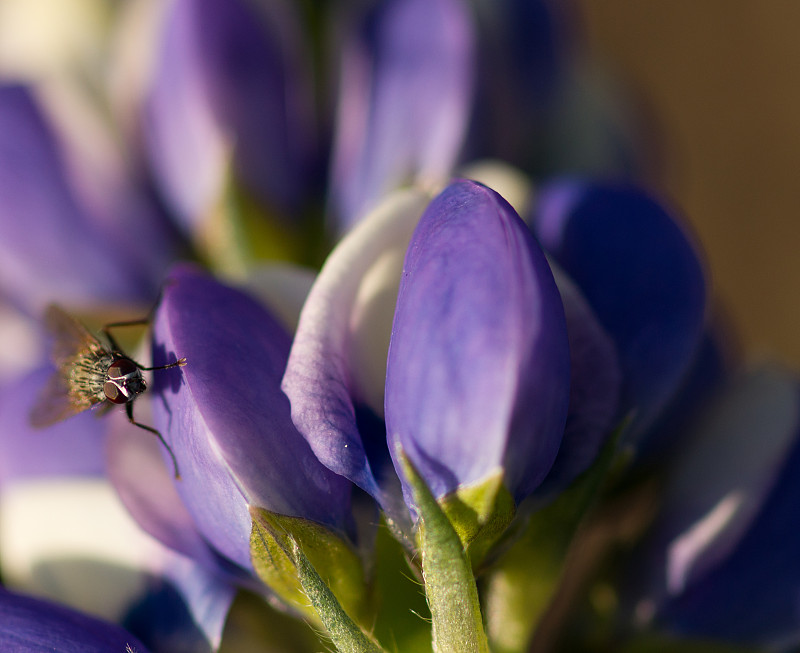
(331, 556)
(449, 583)
(480, 514)
(520, 586)
(345, 634)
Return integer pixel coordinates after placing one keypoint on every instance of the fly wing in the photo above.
(70, 337)
(54, 403)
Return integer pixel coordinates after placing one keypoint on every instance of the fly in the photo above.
(90, 372)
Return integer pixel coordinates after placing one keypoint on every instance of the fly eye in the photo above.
(121, 368)
(115, 393)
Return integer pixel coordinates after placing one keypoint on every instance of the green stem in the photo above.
(449, 582)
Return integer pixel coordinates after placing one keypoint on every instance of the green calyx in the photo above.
(278, 546)
(480, 514)
(449, 582)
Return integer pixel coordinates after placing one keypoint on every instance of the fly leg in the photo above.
(178, 363)
(129, 413)
(106, 330)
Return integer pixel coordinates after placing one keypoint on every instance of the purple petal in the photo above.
(520, 64)
(229, 76)
(186, 149)
(321, 380)
(109, 186)
(226, 419)
(727, 532)
(183, 610)
(478, 372)
(145, 486)
(20, 342)
(640, 274)
(714, 364)
(74, 447)
(595, 381)
(30, 624)
(404, 99)
(49, 246)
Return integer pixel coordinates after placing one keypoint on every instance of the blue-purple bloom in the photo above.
(477, 379)
(641, 276)
(230, 99)
(441, 330)
(228, 423)
(59, 237)
(719, 561)
(30, 624)
(404, 97)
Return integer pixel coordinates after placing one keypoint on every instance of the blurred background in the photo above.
(722, 82)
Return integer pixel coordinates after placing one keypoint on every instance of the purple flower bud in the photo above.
(478, 372)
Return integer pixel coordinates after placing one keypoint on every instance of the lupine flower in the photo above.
(66, 219)
(718, 562)
(475, 376)
(640, 274)
(230, 98)
(477, 379)
(29, 624)
(233, 471)
(343, 336)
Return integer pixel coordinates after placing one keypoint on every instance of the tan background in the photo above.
(722, 78)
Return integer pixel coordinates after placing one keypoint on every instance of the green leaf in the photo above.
(447, 572)
(332, 557)
(480, 514)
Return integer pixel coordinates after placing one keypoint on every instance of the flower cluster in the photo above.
(453, 377)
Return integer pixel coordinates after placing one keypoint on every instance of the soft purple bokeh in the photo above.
(719, 560)
(230, 94)
(404, 101)
(56, 242)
